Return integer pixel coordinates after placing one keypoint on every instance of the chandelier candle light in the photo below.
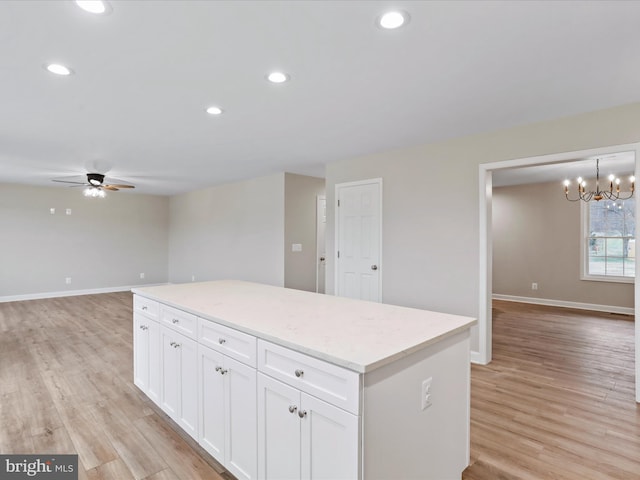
(597, 195)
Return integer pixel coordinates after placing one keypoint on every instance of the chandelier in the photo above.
(612, 193)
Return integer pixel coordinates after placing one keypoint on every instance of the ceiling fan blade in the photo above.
(111, 188)
(67, 181)
(117, 185)
(114, 181)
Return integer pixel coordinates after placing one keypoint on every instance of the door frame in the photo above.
(319, 199)
(338, 187)
(483, 356)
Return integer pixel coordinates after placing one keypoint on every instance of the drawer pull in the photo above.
(144, 327)
(302, 413)
(175, 321)
(173, 344)
(221, 370)
(221, 341)
(299, 373)
(292, 409)
(177, 345)
(144, 307)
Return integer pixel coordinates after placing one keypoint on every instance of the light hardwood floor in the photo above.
(557, 402)
(558, 399)
(66, 386)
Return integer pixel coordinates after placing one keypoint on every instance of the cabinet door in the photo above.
(155, 367)
(188, 385)
(278, 430)
(212, 404)
(141, 352)
(170, 372)
(329, 441)
(241, 456)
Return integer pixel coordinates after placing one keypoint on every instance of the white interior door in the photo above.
(321, 222)
(359, 240)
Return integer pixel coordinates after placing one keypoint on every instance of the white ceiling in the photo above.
(145, 73)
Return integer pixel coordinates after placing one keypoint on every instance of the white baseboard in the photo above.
(565, 304)
(475, 358)
(71, 293)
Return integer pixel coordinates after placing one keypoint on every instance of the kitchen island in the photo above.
(278, 383)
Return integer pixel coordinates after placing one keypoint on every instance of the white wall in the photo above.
(431, 203)
(104, 244)
(232, 231)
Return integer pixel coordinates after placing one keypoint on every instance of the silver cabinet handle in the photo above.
(218, 368)
(177, 345)
(302, 413)
(173, 344)
(144, 327)
(175, 321)
(292, 409)
(221, 341)
(299, 373)
(221, 370)
(144, 307)
(374, 267)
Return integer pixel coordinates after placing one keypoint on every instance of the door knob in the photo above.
(374, 267)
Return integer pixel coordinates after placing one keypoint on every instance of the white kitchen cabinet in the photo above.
(228, 412)
(303, 437)
(179, 366)
(146, 361)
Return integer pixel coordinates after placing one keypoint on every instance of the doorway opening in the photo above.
(486, 174)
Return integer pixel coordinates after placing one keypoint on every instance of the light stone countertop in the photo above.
(354, 334)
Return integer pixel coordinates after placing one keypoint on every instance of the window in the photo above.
(609, 243)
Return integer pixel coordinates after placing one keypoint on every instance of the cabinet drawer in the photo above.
(180, 321)
(145, 306)
(231, 342)
(335, 385)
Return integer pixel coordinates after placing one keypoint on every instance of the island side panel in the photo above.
(400, 439)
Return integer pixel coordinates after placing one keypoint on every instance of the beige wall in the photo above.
(431, 203)
(231, 231)
(104, 243)
(300, 227)
(536, 238)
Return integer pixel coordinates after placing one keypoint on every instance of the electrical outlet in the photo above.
(68, 211)
(425, 393)
(52, 211)
(142, 275)
(296, 247)
(534, 286)
(67, 280)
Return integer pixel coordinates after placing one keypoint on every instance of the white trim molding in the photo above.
(566, 304)
(71, 293)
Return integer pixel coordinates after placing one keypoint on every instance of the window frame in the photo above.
(584, 254)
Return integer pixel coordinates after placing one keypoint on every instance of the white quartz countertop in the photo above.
(354, 334)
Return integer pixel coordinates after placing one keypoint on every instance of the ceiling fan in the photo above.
(95, 183)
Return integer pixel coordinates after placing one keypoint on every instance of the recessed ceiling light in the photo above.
(58, 69)
(93, 6)
(214, 110)
(394, 19)
(278, 77)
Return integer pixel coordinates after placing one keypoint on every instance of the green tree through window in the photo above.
(611, 245)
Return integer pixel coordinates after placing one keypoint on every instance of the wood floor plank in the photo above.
(563, 380)
(66, 386)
